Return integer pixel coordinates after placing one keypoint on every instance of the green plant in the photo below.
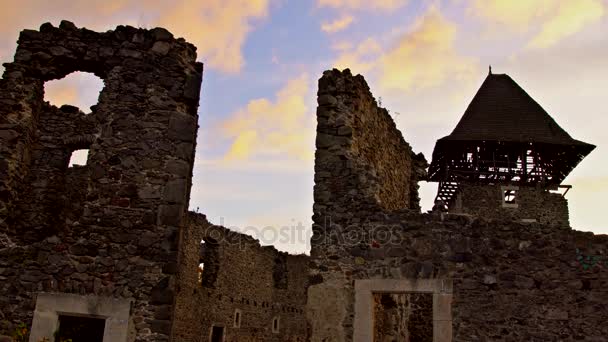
(20, 333)
(58, 338)
(587, 261)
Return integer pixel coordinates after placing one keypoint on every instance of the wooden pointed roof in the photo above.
(502, 111)
(502, 117)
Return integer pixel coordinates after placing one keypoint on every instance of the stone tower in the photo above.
(97, 242)
(504, 157)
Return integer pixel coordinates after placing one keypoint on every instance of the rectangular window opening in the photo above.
(79, 158)
(275, 325)
(80, 329)
(237, 318)
(510, 196)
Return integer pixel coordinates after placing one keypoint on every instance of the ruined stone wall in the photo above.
(509, 281)
(109, 228)
(361, 157)
(238, 274)
(532, 203)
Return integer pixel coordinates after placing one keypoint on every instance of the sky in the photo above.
(423, 59)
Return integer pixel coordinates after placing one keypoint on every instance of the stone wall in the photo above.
(360, 140)
(109, 228)
(508, 280)
(238, 274)
(531, 203)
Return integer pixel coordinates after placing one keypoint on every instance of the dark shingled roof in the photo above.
(502, 122)
(502, 111)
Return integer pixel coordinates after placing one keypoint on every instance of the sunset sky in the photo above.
(425, 59)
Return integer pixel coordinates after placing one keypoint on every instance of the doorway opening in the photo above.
(80, 329)
(217, 334)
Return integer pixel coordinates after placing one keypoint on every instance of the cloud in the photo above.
(570, 18)
(61, 94)
(383, 5)
(360, 58)
(338, 24)
(342, 46)
(78, 89)
(218, 28)
(282, 128)
(424, 56)
(512, 15)
(548, 20)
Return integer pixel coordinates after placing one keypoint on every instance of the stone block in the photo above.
(182, 127)
(175, 191)
(192, 87)
(178, 168)
(161, 47)
(170, 214)
(160, 33)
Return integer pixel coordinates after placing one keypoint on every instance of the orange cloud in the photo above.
(338, 24)
(218, 28)
(550, 20)
(282, 128)
(425, 56)
(61, 94)
(360, 58)
(78, 89)
(571, 17)
(384, 5)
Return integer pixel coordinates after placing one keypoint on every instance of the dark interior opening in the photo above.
(217, 334)
(237, 319)
(80, 329)
(403, 317)
(209, 257)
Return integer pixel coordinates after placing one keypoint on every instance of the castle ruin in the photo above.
(110, 249)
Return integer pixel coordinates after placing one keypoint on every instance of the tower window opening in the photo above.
(275, 325)
(237, 318)
(510, 196)
(79, 157)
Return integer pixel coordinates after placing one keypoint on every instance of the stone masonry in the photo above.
(531, 204)
(491, 278)
(110, 228)
(113, 239)
(239, 275)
